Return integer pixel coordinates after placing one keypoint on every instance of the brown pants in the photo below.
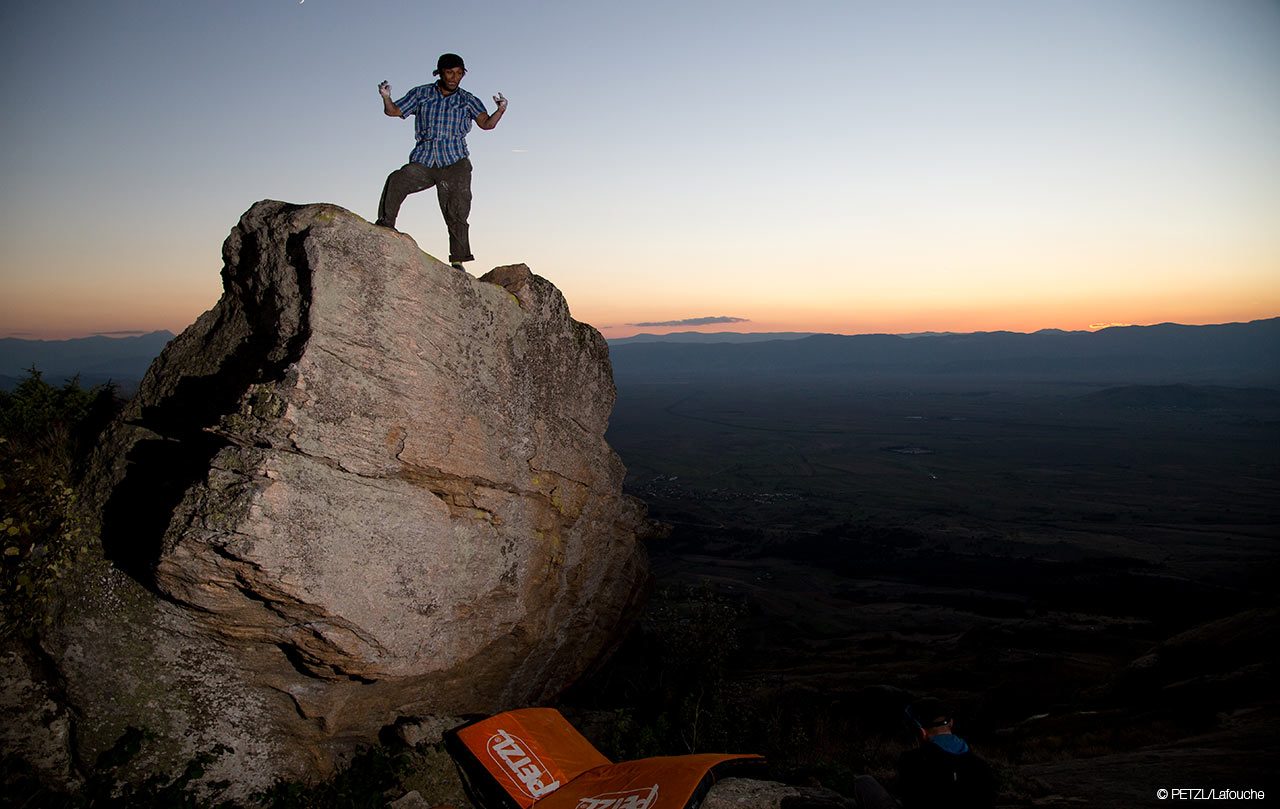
(453, 190)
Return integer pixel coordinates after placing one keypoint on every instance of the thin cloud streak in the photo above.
(692, 321)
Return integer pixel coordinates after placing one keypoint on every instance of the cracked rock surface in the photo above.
(364, 486)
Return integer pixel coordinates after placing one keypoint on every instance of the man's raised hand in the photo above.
(500, 101)
(384, 90)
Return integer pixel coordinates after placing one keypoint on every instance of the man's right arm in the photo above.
(388, 106)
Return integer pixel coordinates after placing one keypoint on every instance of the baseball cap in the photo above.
(446, 61)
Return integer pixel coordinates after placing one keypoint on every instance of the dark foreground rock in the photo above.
(363, 487)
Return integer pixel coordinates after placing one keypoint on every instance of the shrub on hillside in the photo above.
(44, 433)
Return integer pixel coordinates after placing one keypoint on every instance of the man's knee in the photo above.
(455, 200)
(412, 176)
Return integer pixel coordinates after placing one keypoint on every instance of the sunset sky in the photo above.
(842, 166)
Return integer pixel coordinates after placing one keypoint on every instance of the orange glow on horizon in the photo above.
(103, 308)
(1027, 317)
(77, 323)
(118, 317)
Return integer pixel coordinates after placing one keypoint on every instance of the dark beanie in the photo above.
(446, 61)
(930, 712)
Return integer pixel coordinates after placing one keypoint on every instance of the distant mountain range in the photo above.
(96, 360)
(1245, 354)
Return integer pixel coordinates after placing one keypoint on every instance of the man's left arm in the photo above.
(486, 121)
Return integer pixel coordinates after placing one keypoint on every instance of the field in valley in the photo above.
(1052, 559)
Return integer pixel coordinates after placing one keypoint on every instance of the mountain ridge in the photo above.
(1225, 353)
(95, 360)
(1228, 354)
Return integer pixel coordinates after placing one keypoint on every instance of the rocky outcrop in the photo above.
(748, 793)
(364, 486)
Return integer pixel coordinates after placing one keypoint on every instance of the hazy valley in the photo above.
(1051, 553)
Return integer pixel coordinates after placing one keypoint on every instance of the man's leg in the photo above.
(454, 194)
(408, 179)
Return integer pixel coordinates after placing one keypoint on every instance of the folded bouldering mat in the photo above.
(533, 756)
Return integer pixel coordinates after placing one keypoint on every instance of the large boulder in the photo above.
(364, 486)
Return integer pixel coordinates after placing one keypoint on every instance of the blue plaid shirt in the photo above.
(441, 123)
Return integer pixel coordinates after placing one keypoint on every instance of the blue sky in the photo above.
(813, 166)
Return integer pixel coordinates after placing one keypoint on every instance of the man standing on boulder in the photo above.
(443, 113)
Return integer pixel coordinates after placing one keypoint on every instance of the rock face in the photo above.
(363, 486)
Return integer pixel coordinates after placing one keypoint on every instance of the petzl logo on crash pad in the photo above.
(526, 769)
(631, 799)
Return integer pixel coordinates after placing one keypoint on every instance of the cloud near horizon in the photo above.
(694, 321)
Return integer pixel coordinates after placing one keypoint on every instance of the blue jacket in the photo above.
(944, 772)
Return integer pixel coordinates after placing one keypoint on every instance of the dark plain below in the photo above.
(1085, 572)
